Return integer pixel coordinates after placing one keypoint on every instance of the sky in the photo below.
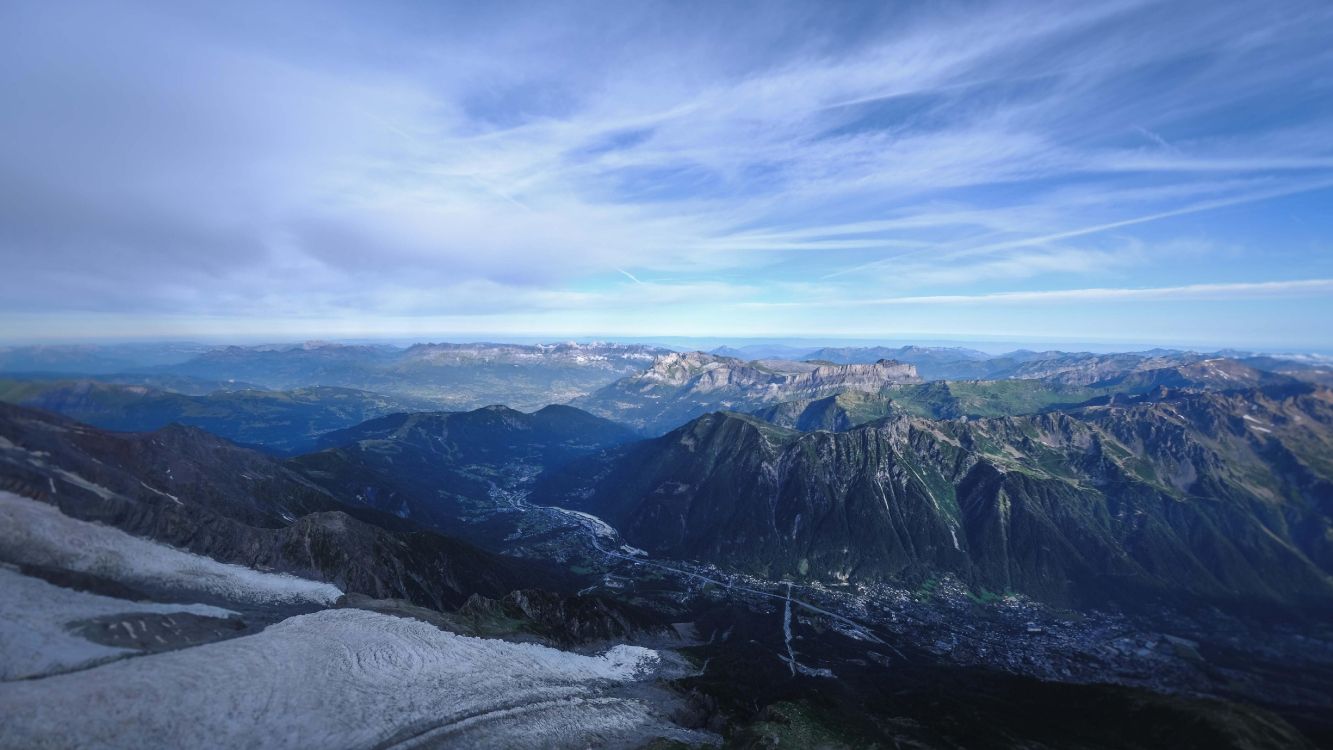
(1152, 172)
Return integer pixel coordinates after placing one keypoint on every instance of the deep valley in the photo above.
(859, 560)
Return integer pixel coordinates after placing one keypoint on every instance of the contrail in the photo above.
(631, 276)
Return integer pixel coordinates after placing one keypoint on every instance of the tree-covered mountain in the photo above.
(1224, 496)
(1046, 504)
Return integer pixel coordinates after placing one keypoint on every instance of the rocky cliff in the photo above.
(680, 387)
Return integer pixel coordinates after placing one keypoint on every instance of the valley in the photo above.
(823, 567)
(850, 632)
(662, 375)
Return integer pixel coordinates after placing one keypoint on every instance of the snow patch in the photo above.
(167, 495)
(1257, 424)
(35, 533)
(79, 481)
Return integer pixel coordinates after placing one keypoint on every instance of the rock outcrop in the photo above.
(680, 387)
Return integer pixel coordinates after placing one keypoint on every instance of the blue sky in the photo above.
(1120, 171)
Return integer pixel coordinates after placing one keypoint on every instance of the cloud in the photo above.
(630, 276)
(1028, 241)
(255, 160)
(1231, 291)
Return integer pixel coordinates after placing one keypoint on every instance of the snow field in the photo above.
(340, 678)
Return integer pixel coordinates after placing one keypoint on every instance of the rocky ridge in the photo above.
(679, 387)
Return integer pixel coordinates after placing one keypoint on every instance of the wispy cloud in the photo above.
(630, 276)
(159, 159)
(1233, 291)
(1078, 232)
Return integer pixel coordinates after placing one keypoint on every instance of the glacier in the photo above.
(343, 678)
(33, 636)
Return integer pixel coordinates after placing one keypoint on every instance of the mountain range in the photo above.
(1081, 368)
(846, 553)
(1204, 494)
(452, 376)
(282, 422)
(679, 387)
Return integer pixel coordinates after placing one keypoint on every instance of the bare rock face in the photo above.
(678, 368)
(868, 378)
(680, 387)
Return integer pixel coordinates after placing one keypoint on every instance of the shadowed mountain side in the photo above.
(437, 467)
(1210, 495)
(197, 492)
(836, 413)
